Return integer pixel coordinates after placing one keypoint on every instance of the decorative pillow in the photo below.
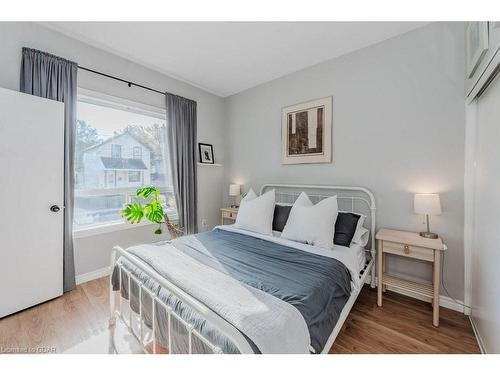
(361, 234)
(256, 214)
(280, 217)
(361, 237)
(361, 222)
(312, 224)
(302, 200)
(345, 227)
(249, 196)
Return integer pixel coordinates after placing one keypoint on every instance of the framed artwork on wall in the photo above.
(306, 132)
(206, 153)
(476, 45)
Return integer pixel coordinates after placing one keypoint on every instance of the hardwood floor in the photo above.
(402, 325)
(61, 323)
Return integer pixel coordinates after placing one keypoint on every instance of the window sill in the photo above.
(96, 230)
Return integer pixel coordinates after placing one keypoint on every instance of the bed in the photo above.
(233, 291)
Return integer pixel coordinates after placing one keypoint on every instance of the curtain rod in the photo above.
(129, 83)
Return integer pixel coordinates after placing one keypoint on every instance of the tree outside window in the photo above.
(118, 149)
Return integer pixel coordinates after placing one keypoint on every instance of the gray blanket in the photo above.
(317, 286)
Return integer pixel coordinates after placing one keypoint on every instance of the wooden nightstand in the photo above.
(228, 213)
(410, 245)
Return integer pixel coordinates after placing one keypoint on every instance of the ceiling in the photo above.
(225, 58)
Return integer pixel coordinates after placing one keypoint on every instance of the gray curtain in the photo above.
(52, 77)
(181, 134)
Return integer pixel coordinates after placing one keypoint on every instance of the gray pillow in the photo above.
(345, 227)
(280, 217)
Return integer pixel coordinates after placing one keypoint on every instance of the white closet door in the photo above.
(31, 190)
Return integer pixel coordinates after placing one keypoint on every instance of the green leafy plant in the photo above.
(152, 210)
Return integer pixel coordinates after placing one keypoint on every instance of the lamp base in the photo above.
(428, 235)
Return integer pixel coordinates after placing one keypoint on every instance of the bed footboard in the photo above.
(146, 334)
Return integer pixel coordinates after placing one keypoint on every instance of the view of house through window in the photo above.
(117, 150)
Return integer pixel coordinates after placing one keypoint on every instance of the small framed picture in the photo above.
(206, 153)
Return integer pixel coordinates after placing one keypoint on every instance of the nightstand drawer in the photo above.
(229, 215)
(408, 250)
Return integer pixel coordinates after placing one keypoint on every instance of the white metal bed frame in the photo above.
(284, 194)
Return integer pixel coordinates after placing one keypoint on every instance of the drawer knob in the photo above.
(406, 249)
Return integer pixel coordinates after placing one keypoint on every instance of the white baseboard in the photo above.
(84, 277)
(478, 336)
(444, 301)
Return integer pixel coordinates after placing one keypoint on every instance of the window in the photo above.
(119, 147)
(110, 178)
(134, 176)
(116, 151)
(137, 154)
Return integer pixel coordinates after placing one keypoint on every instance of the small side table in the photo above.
(228, 213)
(410, 245)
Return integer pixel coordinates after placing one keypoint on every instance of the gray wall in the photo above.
(93, 253)
(398, 128)
(486, 237)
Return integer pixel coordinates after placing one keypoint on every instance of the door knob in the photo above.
(55, 208)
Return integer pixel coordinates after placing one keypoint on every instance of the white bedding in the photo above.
(252, 311)
(360, 254)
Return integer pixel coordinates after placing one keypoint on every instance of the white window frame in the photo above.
(134, 148)
(128, 176)
(94, 97)
(116, 147)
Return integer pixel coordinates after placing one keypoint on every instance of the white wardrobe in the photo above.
(31, 200)
(486, 238)
(482, 195)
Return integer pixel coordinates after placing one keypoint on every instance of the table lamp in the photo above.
(427, 204)
(234, 191)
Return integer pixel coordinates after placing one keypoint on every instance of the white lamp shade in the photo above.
(427, 204)
(234, 190)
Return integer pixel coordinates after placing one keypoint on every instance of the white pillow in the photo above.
(249, 196)
(256, 213)
(312, 224)
(303, 200)
(360, 236)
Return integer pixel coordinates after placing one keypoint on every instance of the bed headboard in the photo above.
(350, 198)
